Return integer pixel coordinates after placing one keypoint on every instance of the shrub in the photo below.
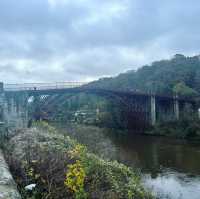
(185, 129)
(75, 178)
(62, 168)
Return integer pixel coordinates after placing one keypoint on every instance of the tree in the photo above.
(184, 90)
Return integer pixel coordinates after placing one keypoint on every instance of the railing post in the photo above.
(153, 110)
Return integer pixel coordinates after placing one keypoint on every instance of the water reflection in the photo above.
(174, 185)
(171, 167)
(153, 154)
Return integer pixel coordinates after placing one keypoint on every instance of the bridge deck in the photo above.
(77, 87)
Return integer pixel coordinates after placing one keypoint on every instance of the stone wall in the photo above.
(8, 188)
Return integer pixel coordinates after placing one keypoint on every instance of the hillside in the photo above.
(180, 74)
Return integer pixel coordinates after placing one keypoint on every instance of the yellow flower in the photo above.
(75, 177)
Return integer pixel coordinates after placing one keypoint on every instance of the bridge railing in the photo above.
(42, 86)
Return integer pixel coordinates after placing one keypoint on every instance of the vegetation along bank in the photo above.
(60, 167)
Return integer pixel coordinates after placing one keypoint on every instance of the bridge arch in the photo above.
(133, 110)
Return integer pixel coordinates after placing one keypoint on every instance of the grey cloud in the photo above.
(83, 39)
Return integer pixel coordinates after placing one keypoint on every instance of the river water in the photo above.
(170, 167)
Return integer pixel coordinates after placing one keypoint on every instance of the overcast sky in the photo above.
(82, 40)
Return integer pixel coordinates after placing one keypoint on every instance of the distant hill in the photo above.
(178, 75)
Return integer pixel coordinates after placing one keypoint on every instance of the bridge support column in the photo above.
(24, 109)
(153, 110)
(176, 108)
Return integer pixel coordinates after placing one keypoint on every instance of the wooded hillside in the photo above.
(178, 75)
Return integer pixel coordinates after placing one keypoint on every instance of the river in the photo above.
(169, 167)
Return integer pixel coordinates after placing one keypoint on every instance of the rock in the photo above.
(30, 187)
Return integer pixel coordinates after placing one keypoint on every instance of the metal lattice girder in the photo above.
(50, 99)
(43, 97)
(54, 100)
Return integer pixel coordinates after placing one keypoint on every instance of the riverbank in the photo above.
(183, 129)
(62, 168)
